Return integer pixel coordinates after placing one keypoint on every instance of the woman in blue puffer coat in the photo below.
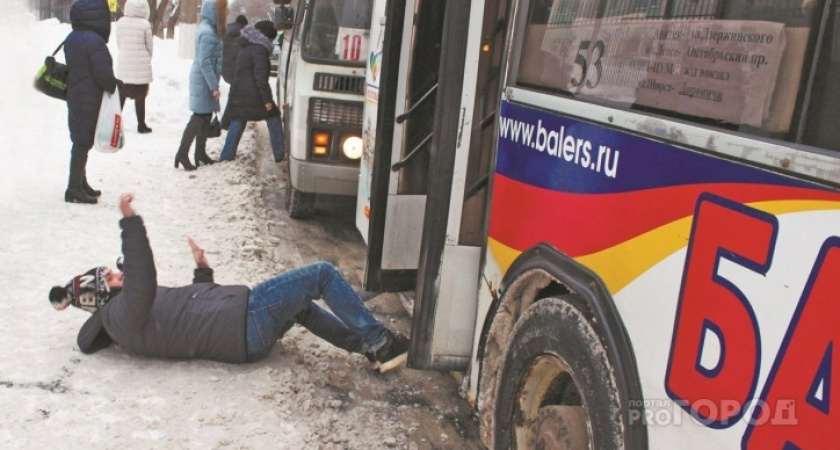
(204, 82)
(91, 73)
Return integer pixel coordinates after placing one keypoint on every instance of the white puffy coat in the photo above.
(135, 43)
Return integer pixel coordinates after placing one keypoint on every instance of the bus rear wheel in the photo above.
(556, 388)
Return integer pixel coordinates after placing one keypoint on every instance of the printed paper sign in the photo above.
(720, 69)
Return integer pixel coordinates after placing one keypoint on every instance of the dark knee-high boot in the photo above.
(187, 138)
(201, 145)
(85, 186)
(75, 193)
(140, 109)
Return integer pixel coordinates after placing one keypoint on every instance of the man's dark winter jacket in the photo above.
(90, 67)
(203, 320)
(230, 50)
(251, 91)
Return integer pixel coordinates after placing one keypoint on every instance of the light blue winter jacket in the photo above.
(207, 65)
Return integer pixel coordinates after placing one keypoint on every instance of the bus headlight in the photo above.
(352, 147)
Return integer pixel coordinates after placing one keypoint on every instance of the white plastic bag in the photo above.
(109, 135)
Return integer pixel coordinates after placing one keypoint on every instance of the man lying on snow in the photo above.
(205, 320)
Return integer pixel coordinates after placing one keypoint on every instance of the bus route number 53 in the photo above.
(584, 65)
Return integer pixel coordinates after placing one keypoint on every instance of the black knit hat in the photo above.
(266, 27)
(88, 291)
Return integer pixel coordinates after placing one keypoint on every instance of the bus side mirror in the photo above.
(284, 17)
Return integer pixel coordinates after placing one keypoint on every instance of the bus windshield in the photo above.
(338, 31)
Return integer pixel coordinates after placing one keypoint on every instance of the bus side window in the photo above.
(739, 65)
(821, 127)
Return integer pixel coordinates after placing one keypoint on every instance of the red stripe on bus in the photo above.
(580, 224)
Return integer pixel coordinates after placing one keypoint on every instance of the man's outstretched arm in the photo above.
(203, 273)
(140, 282)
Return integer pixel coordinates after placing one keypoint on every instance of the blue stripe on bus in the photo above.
(564, 154)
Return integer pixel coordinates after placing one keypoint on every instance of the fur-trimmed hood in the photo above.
(251, 35)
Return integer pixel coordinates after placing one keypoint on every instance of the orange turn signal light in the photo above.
(321, 139)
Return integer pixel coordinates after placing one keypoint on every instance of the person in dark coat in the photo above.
(91, 73)
(205, 72)
(250, 96)
(230, 47)
(232, 324)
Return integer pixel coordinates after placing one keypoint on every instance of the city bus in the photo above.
(320, 84)
(619, 221)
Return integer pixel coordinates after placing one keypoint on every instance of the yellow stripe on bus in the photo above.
(618, 266)
(503, 254)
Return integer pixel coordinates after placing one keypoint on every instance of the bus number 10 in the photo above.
(352, 47)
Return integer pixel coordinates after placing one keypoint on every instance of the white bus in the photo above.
(320, 86)
(620, 219)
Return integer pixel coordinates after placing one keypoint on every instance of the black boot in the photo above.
(187, 138)
(202, 158)
(89, 190)
(75, 192)
(140, 108)
(201, 144)
(393, 353)
(85, 186)
(182, 159)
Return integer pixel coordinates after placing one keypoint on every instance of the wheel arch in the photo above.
(540, 272)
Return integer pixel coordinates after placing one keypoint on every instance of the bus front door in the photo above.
(430, 164)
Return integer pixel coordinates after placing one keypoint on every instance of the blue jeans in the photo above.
(277, 304)
(234, 134)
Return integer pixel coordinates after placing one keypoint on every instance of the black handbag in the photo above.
(51, 79)
(215, 127)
